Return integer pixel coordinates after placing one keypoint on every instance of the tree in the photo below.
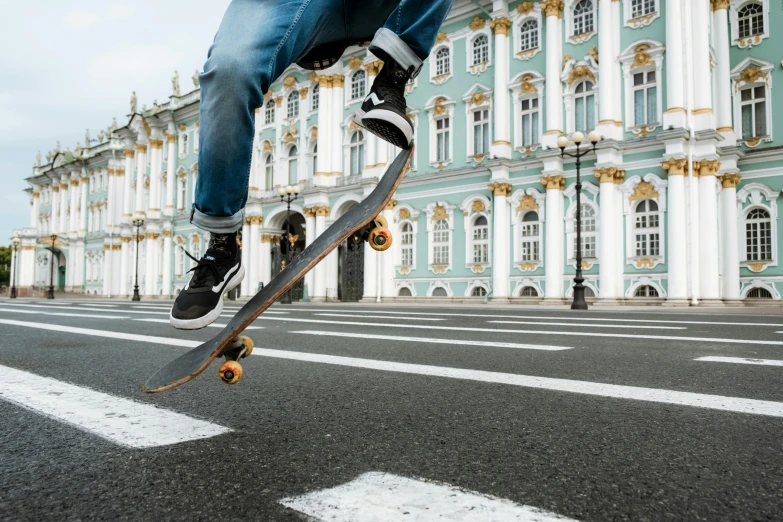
(5, 265)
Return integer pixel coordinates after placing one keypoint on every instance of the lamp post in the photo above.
(15, 263)
(137, 223)
(562, 142)
(288, 194)
(50, 293)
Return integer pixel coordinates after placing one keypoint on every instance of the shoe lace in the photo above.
(205, 267)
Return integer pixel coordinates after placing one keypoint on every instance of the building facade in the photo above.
(679, 202)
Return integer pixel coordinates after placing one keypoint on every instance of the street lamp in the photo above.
(288, 194)
(137, 223)
(15, 248)
(50, 294)
(562, 142)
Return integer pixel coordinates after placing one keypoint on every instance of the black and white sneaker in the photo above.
(200, 303)
(383, 110)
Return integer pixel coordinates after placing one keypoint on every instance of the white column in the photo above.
(608, 69)
(387, 258)
(319, 283)
(35, 209)
(150, 253)
(141, 171)
(370, 274)
(84, 208)
(116, 206)
(619, 236)
(73, 219)
(730, 249)
(124, 264)
(246, 291)
(266, 260)
(171, 175)
(554, 55)
(167, 260)
(555, 234)
(675, 89)
(63, 227)
(502, 235)
(127, 211)
(720, 28)
(106, 289)
(156, 166)
(607, 276)
(255, 240)
(54, 219)
(703, 117)
(310, 235)
(336, 155)
(709, 287)
(501, 146)
(676, 254)
(324, 136)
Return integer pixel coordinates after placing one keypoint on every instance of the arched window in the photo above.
(753, 108)
(440, 242)
(269, 172)
(478, 291)
(758, 235)
(314, 170)
(183, 144)
(589, 292)
(750, 20)
(358, 84)
(480, 131)
(269, 112)
(293, 104)
(642, 8)
(531, 237)
(195, 251)
(439, 291)
(583, 17)
(528, 291)
(357, 153)
(443, 139)
(588, 232)
(528, 35)
(182, 193)
(404, 292)
(584, 106)
(406, 240)
(480, 240)
(647, 229)
(645, 98)
(180, 260)
(480, 50)
(759, 293)
(316, 97)
(645, 291)
(442, 62)
(293, 166)
(530, 115)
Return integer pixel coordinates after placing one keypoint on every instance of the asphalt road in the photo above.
(598, 415)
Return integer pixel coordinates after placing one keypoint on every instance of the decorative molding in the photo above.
(553, 182)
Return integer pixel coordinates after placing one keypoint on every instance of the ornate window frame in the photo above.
(642, 56)
(752, 72)
(405, 284)
(524, 12)
(523, 201)
(478, 27)
(353, 129)
(269, 107)
(405, 213)
(288, 159)
(524, 283)
(435, 211)
(473, 207)
(440, 106)
(292, 94)
(573, 74)
(315, 94)
(734, 9)
(756, 195)
(651, 280)
(184, 142)
(640, 21)
(349, 98)
(480, 283)
(526, 86)
(590, 194)
(439, 284)
(571, 37)
(441, 42)
(634, 190)
(478, 97)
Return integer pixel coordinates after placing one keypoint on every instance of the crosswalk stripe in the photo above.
(379, 317)
(742, 360)
(61, 314)
(213, 325)
(101, 304)
(119, 420)
(592, 325)
(380, 324)
(433, 340)
(103, 333)
(383, 497)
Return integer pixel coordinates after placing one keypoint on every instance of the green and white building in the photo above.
(679, 202)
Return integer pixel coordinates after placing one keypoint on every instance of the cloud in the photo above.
(120, 11)
(81, 20)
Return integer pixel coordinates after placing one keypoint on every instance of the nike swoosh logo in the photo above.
(374, 98)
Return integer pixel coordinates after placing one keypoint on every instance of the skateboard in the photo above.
(363, 220)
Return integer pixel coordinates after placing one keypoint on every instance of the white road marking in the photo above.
(614, 391)
(103, 333)
(213, 325)
(462, 342)
(125, 311)
(536, 332)
(380, 317)
(742, 360)
(118, 420)
(61, 314)
(383, 497)
(101, 304)
(593, 325)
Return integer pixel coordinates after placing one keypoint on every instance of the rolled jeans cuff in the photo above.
(218, 224)
(387, 41)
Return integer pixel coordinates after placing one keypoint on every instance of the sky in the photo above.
(72, 65)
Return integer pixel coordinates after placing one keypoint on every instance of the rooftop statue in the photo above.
(195, 80)
(175, 84)
(134, 102)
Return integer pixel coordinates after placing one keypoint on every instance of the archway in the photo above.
(293, 230)
(350, 260)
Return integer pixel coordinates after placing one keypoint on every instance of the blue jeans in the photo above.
(257, 40)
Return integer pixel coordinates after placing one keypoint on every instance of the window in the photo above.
(314, 170)
(528, 291)
(442, 138)
(645, 291)
(293, 166)
(180, 262)
(758, 235)
(753, 107)
(588, 232)
(480, 131)
(183, 144)
(358, 84)
(480, 240)
(750, 20)
(531, 238)
(589, 292)
(642, 8)
(315, 100)
(480, 50)
(439, 291)
(440, 242)
(645, 97)
(583, 17)
(293, 104)
(404, 292)
(357, 153)
(584, 106)
(530, 117)
(195, 251)
(528, 35)
(407, 244)
(269, 113)
(478, 291)
(759, 293)
(442, 62)
(182, 193)
(269, 173)
(646, 229)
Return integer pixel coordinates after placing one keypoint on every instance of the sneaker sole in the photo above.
(212, 316)
(386, 125)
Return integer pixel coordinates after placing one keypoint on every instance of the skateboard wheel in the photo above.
(380, 239)
(230, 372)
(248, 342)
(381, 221)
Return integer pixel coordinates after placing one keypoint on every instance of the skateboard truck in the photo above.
(377, 233)
(231, 371)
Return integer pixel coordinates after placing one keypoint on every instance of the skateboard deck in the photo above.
(228, 341)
